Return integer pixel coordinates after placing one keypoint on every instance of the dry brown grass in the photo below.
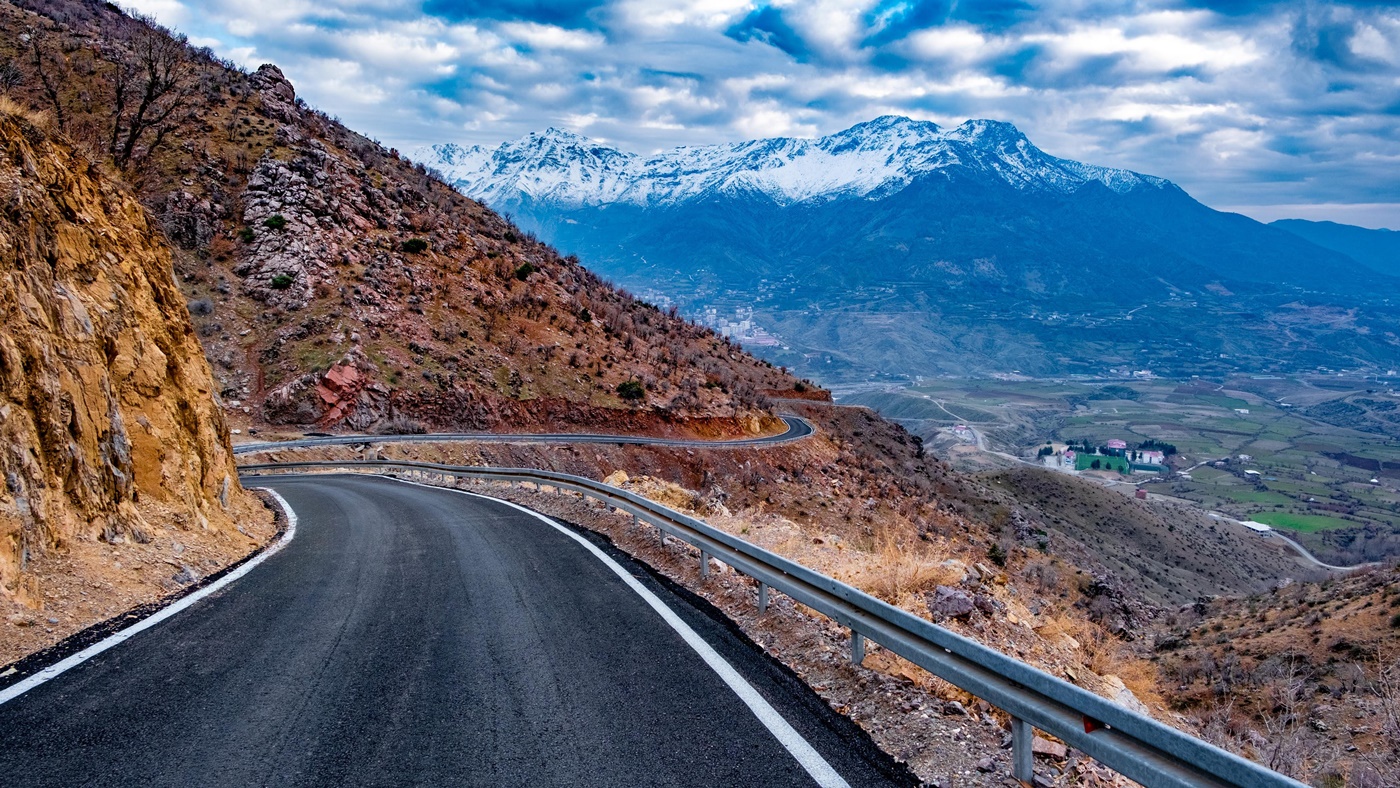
(10, 109)
(897, 572)
(1106, 655)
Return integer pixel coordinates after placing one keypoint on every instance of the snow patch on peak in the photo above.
(868, 160)
(449, 154)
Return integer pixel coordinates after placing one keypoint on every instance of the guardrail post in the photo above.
(704, 564)
(857, 647)
(1022, 754)
(634, 522)
(762, 598)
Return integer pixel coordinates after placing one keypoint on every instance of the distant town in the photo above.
(741, 328)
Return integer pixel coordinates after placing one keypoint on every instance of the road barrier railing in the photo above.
(1130, 743)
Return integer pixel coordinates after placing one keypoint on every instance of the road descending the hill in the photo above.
(797, 429)
(415, 636)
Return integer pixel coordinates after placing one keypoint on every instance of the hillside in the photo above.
(1171, 554)
(1378, 250)
(902, 248)
(334, 283)
(120, 484)
(1306, 680)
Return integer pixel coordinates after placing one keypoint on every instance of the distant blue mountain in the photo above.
(980, 243)
(1378, 250)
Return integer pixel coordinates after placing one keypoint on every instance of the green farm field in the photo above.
(1311, 476)
(1304, 523)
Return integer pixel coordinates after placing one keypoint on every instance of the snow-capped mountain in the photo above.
(871, 160)
(900, 247)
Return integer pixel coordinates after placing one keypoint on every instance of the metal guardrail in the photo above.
(1132, 744)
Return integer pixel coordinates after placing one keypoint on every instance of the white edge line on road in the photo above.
(53, 671)
(782, 730)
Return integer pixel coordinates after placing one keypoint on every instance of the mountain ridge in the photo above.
(869, 158)
(1377, 249)
(970, 250)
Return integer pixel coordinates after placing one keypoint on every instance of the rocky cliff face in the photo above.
(110, 432)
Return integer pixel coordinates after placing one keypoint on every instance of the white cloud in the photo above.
(1241, 110)
(963, 43)
(550, 36)
(771, 120)
(1369, 42)
(1155, 52)
(658, 16)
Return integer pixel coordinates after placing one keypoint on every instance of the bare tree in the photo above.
(10, 75)
(151, 83)
(1291, 741)
(51, 66)
(1382, 753)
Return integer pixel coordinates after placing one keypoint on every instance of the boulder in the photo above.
(947, 602)
(1050, 749)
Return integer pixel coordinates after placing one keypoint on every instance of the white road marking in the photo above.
(782, 730)
(52, 671)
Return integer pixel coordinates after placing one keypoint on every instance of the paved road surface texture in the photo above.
(797, 429)
(415, 636)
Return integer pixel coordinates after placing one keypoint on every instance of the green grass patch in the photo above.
(1085, 462)
(1303, 523)
(1224, 402)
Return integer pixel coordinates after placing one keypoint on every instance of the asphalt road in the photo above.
(797, 429)
(414, 636)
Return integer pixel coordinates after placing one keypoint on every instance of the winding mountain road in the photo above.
(1308, 556)
(417, 636)
(797, 429)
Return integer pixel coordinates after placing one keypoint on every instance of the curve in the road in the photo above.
(53, 671)
(797, 429)
(413, 635)
(1306, 554)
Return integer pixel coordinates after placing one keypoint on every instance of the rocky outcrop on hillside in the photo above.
(110, 430)
(335, 283)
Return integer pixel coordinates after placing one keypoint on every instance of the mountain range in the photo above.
(869, 160)
(899, 247)
(1378, 250)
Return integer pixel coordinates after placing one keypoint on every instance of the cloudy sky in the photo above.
(1271, 109)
